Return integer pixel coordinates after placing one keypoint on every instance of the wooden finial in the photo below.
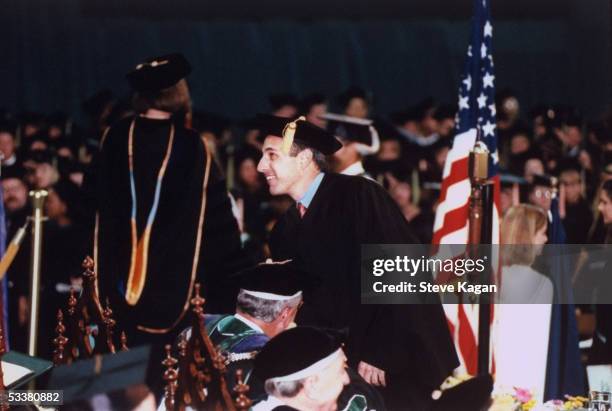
(109, 323)
(60, 341)
(243, 402)
(88, 264)
(182, 345)
(123, 339)
(197, 301)
(72, 302)
(170, 377)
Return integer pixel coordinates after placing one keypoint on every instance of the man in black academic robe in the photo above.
(406, 348)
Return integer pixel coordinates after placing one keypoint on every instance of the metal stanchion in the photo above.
(38, 200)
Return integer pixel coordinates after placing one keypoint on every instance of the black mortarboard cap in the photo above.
(35, 366)
(473, 394)
(305, 132)
(350, 128)
(508, 180)
(543, 180)
(296, 354)
(100, 374)
(272, 280)
(14, 171)
(159, 73)
(281, 100)
(386, 130)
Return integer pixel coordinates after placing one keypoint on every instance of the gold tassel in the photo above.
(289, 134)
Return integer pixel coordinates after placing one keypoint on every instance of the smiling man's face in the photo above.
(281, 170)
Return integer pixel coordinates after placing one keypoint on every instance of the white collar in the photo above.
(249, 323)
(354, 169)
(9, 161)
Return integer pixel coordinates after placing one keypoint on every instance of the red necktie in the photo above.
(301, 209)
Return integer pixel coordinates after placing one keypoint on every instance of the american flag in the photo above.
(475, 120)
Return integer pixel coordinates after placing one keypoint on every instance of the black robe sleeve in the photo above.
(399, 339)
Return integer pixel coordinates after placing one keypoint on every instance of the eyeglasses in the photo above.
(543, 194)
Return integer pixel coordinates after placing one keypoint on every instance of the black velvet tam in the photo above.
(281, 279)
(306, 133)
(159, 73)
(292, 351)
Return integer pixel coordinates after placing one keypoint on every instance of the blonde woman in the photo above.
(522, 324)
(523, 236)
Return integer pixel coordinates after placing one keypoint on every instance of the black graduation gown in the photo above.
(411, 343)
(173, 240)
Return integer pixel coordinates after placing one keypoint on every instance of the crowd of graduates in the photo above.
(544, 151)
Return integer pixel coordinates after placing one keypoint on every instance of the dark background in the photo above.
(57, 52)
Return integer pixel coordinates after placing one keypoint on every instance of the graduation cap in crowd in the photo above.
(386, 130)
(508, 180)
(14, 171)
(298, 130)
(296, 354)
(272, 280)
(544, 181)
(471, 395)
(347, 128)
(19, 369)
(159, 73)
(100, 374)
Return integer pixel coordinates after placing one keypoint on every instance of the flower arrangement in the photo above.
(523, 400)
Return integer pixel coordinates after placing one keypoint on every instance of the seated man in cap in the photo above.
(408, 349)
(269, 297)
(304, 369)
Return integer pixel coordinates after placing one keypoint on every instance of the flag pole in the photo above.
(480, 233)
(38, 200)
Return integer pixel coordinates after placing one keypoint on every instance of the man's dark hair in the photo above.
(317, 156)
